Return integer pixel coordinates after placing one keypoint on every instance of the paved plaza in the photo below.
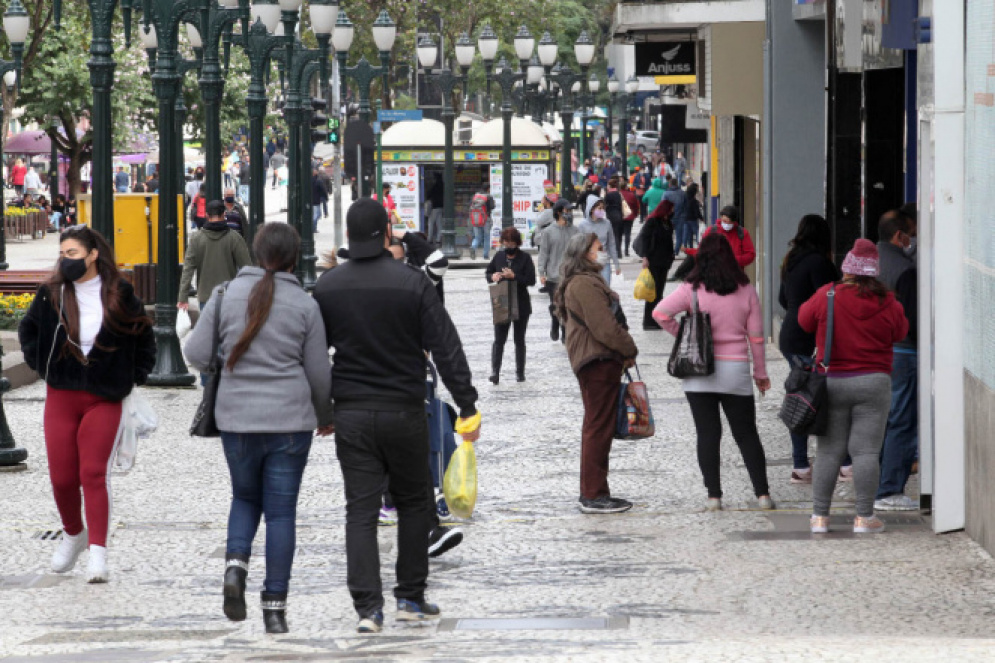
(666, 581)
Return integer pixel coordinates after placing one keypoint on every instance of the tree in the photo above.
(40, 13)
(58, 86)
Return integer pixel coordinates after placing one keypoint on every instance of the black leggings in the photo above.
(659, 273)
(627, 236)
(501, 335)
(742, 416)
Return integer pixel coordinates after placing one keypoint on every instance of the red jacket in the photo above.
(743, 249)
(632, 202)
(17, 174)
(864, 329)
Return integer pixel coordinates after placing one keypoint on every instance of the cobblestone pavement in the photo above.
(664, 582)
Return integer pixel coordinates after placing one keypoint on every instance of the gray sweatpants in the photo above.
(858, 416)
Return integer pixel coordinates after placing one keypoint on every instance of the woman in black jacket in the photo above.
(807, 267)
(87, 335)
(512, 264)
(615, 212)
(655, 245)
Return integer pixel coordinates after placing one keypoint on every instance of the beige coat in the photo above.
(596, 335)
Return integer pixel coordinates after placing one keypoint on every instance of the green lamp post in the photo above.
(506, 79)
(207, 34)
(447, 81)
(15, 25)
(631, 87)
(162, 19)
(364, 73)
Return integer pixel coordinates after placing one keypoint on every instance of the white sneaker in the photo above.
(96, 568)
(69, 550)
(896, 503)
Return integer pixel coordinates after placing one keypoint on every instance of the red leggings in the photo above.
(80, 430)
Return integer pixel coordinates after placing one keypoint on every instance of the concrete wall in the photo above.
(979, 424)
(798, 119)
(737, 68)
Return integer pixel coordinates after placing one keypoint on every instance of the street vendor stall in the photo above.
(414, 153)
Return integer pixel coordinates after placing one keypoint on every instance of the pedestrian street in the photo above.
(534, 579)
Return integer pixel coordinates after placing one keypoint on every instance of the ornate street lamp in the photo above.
(16, 25)
(631, 87)
(447, 81)
(364, 73)
(613, 86)
(587, 101)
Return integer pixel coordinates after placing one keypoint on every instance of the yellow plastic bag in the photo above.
(460, 482)
(645, 287)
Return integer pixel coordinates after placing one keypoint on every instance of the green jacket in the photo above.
(654, 195)
(216, 254)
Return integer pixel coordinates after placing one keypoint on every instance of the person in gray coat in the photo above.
(552, 247)
(596, 222)
(275, 389)
(893, 240)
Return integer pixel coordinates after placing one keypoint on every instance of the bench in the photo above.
(22, 281)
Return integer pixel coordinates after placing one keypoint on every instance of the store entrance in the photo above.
(467, 179)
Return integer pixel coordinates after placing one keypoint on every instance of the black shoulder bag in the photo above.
(204, 422)
(693, 354)
(804, 409)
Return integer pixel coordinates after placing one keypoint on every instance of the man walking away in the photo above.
(243, 180)
(481, 207)
(679, 200)
(215, 254)
(276, 162)
(381, 316)
(901, 438)
(436, 196)
(319, 196)
(121, 180)
(552, 246)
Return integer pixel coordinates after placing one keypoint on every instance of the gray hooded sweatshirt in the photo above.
(552, 247)
(602, 228)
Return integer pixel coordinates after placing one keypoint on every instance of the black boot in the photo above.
(236, 570)
(554, 331)
(275, 612)
(497, 354)
(520, 363)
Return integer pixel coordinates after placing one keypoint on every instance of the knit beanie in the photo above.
(862, 260)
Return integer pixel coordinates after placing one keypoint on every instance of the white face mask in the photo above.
(601, 258)
(911, 248)
(728, 226)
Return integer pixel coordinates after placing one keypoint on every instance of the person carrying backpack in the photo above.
(481, 207)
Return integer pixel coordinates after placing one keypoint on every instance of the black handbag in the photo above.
(804, 408)
(693, 354)
(204, 423)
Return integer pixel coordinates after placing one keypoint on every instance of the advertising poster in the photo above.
(527, 190)
(405, 190)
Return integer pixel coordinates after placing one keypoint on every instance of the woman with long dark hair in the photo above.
(88, 336)
(515, 265)
(867, 321)
(807, 267)
(275, 390)
(722, 290)
(599, 347)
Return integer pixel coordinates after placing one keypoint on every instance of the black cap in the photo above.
(366, 225)
(562, 204)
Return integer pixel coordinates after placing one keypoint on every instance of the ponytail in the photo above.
(276, 247)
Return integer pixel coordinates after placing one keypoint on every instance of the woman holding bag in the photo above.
(274, 360)
(719, 288)
(88, 336)
(515, 265)
(600, 348)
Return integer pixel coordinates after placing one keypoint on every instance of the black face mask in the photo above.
(510, 251)
(72, 270)
(229, 199)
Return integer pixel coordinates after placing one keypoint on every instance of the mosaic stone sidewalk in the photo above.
(534, 580)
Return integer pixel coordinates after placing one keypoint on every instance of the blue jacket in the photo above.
(679, 200)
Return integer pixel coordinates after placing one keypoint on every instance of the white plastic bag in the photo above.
(183, 324)
(138, 421)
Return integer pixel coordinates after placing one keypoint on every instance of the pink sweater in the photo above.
(736, 322)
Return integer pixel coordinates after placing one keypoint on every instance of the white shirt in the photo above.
(91, 312)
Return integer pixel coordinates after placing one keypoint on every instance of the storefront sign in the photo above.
(527, 190)
(669, 62)
(463, 156)
(405, 190)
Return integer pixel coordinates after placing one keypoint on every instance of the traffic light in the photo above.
(319, 121)
(333, 131)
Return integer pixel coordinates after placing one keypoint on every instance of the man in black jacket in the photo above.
(381, 316)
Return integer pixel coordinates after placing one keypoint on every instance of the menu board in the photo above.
(406, 192)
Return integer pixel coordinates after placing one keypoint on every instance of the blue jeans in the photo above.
(684, 232)
(243, 193)
(266, 471)
(901, 439)
(480, 239)
(606, 272)
(315, 215)
(799, 442)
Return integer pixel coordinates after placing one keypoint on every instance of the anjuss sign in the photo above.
(669, 62)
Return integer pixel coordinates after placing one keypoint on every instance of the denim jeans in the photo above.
(901, 439)
(481, 239)
(315, 215)
(799, 441)
(243, 193)
(266, 471)
(374, 445)
(435, 225)
(606, 272)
